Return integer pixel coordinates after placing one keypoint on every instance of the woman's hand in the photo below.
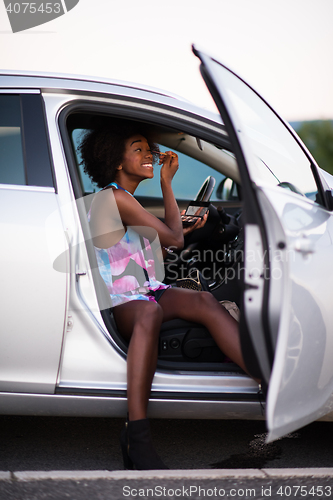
(170, 164)
(197, 225)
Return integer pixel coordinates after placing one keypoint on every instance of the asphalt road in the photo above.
(54, 443)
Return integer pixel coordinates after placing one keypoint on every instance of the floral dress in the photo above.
(128, 267)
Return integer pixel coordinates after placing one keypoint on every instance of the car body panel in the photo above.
(105, 406)
(30, 327)
(301, 383)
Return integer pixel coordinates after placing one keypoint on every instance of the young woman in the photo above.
(118, 159)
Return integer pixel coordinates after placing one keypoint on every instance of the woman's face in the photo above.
(138, 159)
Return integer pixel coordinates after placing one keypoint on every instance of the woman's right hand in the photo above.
(170, 164)
(197, 225)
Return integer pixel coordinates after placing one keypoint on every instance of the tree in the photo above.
(318, 138)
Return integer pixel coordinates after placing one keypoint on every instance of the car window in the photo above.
(279, 159)
(12, 169)
(186, 183)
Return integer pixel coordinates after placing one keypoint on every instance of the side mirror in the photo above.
(329, 198)
(227, 190)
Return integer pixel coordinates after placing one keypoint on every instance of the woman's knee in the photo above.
(147, 324)
(151, 313)
(205, 305)
(206, 299)
(138, 315)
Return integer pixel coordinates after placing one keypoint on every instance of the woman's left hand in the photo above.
(197, 225)
(170, 164)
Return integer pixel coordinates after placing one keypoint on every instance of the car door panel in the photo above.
(297, 306)
(33, 293)
(302, 345)
(33, 298)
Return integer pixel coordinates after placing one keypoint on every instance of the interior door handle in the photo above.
(304, 245)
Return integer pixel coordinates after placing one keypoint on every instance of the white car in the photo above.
(267, 246)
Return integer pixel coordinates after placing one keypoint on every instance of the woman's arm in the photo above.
(172, 216)
(170, 231)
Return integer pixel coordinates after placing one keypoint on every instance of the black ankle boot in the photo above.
(137, 447)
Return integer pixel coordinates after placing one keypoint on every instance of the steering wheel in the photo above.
(204, 194)
(206, 190)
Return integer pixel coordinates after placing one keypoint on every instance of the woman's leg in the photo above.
(203, 308)
(139, 322)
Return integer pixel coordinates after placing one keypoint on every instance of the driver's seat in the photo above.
(184, 341)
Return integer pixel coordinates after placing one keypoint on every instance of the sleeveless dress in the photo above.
(128, 267)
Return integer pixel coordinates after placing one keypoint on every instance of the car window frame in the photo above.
(36, 150)
(207, 130)
(36, 142)
(139, 110)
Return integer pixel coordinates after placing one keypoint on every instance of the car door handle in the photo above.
(304, 245)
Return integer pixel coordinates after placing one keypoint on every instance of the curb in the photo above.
(25, 476)
(5, 476)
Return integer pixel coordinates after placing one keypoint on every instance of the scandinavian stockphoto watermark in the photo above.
(224, 266)
(24, 15)
(197, 491)
(133, 267)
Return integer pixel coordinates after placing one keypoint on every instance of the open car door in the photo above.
(287, 314)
